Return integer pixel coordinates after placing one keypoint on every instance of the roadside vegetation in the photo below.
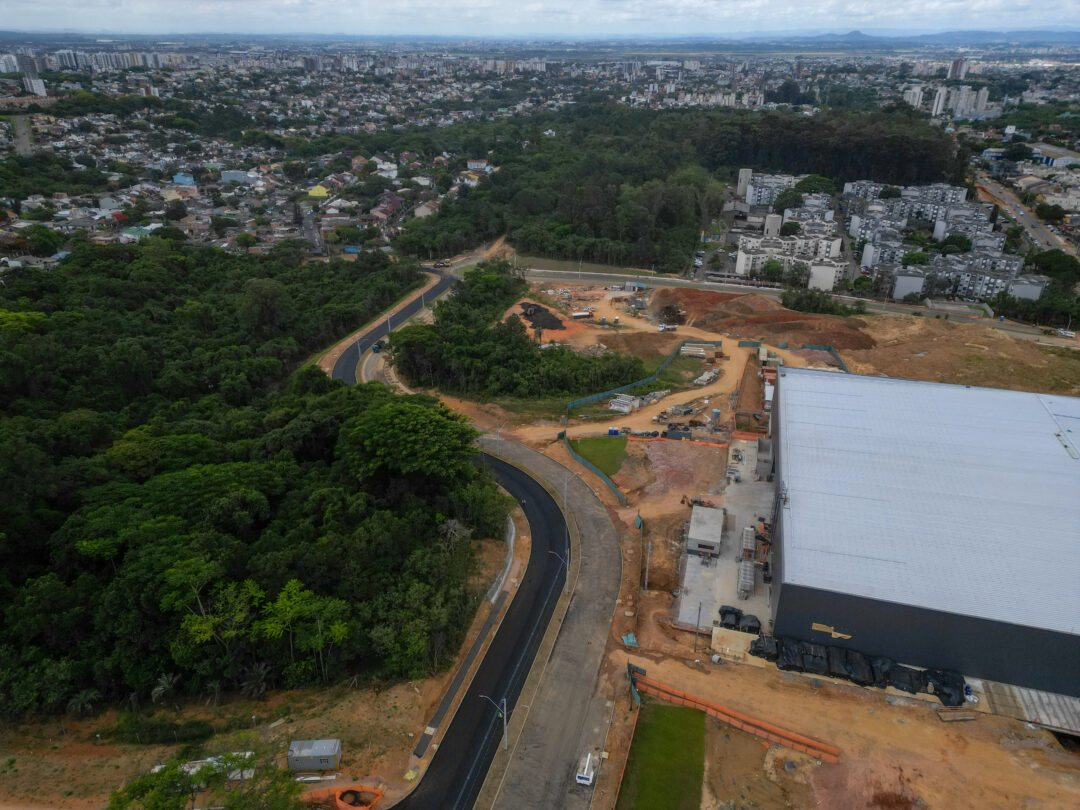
(666, 767)
(186, 514)
(1059, 305)
(470, 351)
(819, 302)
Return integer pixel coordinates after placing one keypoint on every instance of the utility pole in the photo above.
(566, 565)
(500, 707)
(697, 626)
(566, 516)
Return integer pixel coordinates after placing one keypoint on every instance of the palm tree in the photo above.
(213, 691)
(254, 684)
(164, 687)
(82, 703)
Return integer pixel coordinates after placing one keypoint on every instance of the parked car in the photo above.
(377, 346)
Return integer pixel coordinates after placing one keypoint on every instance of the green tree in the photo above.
(816, 184)
(789, 198)
(42, 241)
(955, 243)
(246, 240)
(1017, 151)
(295, 171)
(267, 307)
(175, 210)
(790, 229)
(1050, 213)
(916, 258)
(405, 437)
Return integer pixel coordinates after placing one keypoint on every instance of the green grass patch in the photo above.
(607, 453)
(667, 760)
(567, 265)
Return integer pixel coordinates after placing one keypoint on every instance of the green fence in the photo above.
(832, 351)
(589, 400)
(602, 475)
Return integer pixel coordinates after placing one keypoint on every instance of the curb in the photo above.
(463, 687)
(489, 791)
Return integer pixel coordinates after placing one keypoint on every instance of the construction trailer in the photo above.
(314, 755)
(706, 531)
(934, 524)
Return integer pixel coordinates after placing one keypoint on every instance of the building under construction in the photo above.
(935, 524)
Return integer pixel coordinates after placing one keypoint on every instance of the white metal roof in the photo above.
(954, 498)
(706, 523)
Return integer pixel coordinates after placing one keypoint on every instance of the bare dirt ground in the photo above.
(72, 764)
(893, 756)
(743, 771)
(762, 318)
(923, 348)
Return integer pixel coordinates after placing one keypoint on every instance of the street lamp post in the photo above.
(500, 707)
(565, 565)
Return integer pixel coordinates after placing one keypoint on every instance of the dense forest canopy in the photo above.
(180, 507)
(623, 186)
(469, 350)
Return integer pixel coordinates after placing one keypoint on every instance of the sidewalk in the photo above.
(567, 716)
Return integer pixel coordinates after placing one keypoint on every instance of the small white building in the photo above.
(706, 531)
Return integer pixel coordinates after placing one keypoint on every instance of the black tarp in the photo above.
(765, 647)
(947, 686)
(790, 656)
(881, 667)
(817, 664)
(907, 680)
(837, 662)
(750, 624)
(859, 669)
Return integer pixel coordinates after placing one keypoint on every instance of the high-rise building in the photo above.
(913, 95)
(745, 175)
(940, 98)
(958, 69)
(34, 86)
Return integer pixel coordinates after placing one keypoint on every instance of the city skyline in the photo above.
(494, 18)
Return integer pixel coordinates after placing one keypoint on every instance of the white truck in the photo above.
(586, 772)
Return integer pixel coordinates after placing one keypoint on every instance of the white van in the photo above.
(586, 770)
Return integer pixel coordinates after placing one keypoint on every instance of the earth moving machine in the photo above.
(347, 797)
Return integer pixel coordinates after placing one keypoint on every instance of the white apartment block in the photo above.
(762, 189)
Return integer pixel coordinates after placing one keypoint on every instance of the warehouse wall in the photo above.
(1040, 659)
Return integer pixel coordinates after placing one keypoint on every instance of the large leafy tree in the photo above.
(175, 492)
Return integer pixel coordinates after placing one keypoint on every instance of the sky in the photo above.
(531, 18)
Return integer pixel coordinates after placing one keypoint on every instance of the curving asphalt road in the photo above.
(345, 367)
(459, 767)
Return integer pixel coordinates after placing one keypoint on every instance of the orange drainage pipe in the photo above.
(687, 441)
(794, 736)
(744, 722)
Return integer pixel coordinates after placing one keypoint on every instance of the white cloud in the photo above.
(530, 19)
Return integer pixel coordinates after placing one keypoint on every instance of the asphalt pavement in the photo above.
(459, 767)
(345, 368)
(1038, 232)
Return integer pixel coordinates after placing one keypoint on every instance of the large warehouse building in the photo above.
(938, 525)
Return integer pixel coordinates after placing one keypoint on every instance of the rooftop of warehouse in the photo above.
(949, 497)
